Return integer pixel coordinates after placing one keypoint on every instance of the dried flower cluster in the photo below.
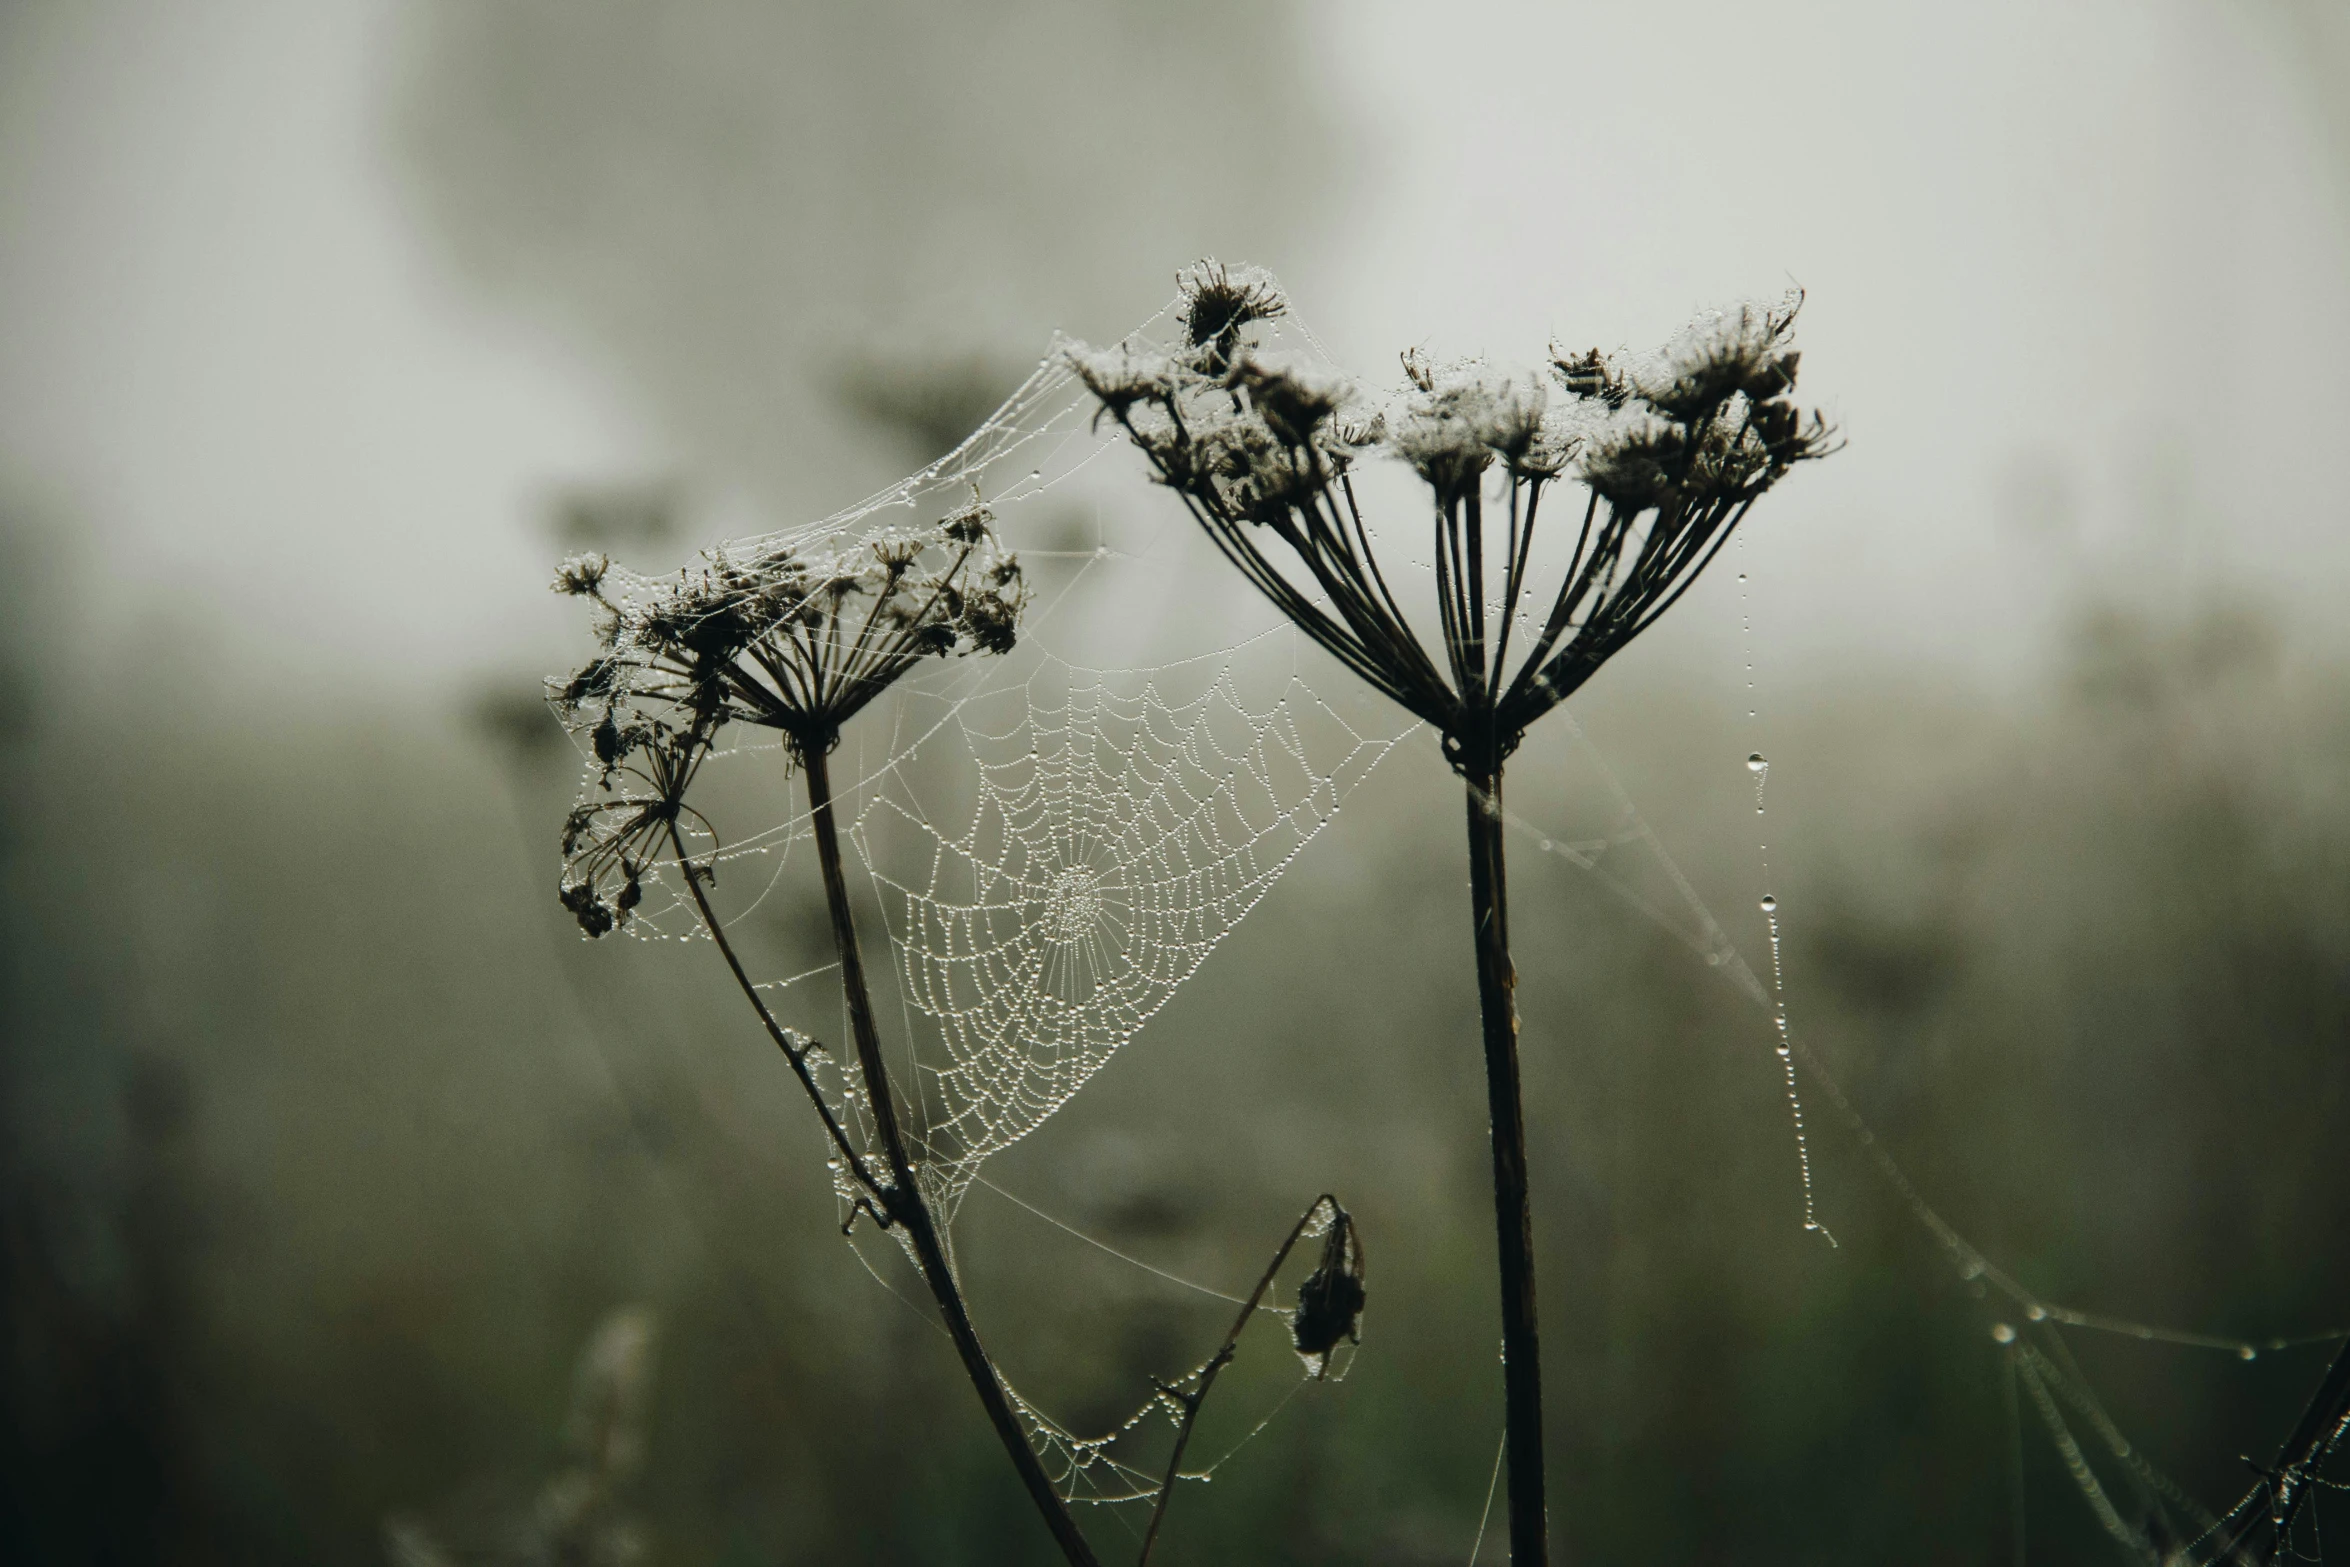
(775, 637)
(1671, 453)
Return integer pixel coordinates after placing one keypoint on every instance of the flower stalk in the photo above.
(797, 644)
(1671, 455)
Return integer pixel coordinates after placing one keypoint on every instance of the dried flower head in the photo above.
(1462, 417)
(1672, 454)
(611, 840)
(583, 575)
(1219, 302)
(1121, 377)
(1295, 403)
(1330, 1301)
(778, 636)
(1731, 352)
(1441, 435)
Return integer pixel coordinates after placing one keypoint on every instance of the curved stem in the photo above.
(903, 1199)
(796, 1055)
(1521, 1340)
(1222, 1358)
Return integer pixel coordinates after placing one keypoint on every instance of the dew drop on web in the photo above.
(1770, 904)
(1756, 763)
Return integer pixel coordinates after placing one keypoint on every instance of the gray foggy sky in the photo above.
(2076, 279)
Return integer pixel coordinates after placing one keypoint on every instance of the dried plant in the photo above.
(1670, 456)
(799, 645)
(799, 641)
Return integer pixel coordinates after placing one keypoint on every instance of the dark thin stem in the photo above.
(1473, 591)
(1222, 1358)
(2314, 1435)
(903, 1200)
(797, 1056)
(1513, 1220)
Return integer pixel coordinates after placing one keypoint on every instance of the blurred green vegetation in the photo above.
(327, 1143)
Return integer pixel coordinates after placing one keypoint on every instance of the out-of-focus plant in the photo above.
(1670, 455)
(578, 1516)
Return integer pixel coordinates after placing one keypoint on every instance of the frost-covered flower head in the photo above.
(782, 636)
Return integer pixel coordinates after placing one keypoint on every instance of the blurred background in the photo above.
(350, 1206)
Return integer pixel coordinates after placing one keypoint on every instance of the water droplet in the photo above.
(1742, 576)
(2001, 1333)
(2247, 1352)
(2036, 1313)
(1755, 763)
(1770, 905)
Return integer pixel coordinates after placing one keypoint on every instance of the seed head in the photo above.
(1443, 433)
(1219, 303)
(1294, 403)
(774, 635)
(1330, 1301)
(1120, 377)
(1739, 351)
(582, 575)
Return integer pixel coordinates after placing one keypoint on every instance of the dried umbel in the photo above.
(782, 637)
(796, 640)
(1671, 456)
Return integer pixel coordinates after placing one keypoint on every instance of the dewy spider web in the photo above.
(1121, 826)
(1055, 848)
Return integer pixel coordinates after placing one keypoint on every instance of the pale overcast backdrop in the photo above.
(288, 335)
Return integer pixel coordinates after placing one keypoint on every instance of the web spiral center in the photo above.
(1072, 904)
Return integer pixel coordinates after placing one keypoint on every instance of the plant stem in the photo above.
(797, 1057)
(903, 1199)
(1513, 1220)
(2320, 1427)
(1216, 1363)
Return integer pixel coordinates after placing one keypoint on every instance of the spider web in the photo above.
(1120, 827)
(1055, 845)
